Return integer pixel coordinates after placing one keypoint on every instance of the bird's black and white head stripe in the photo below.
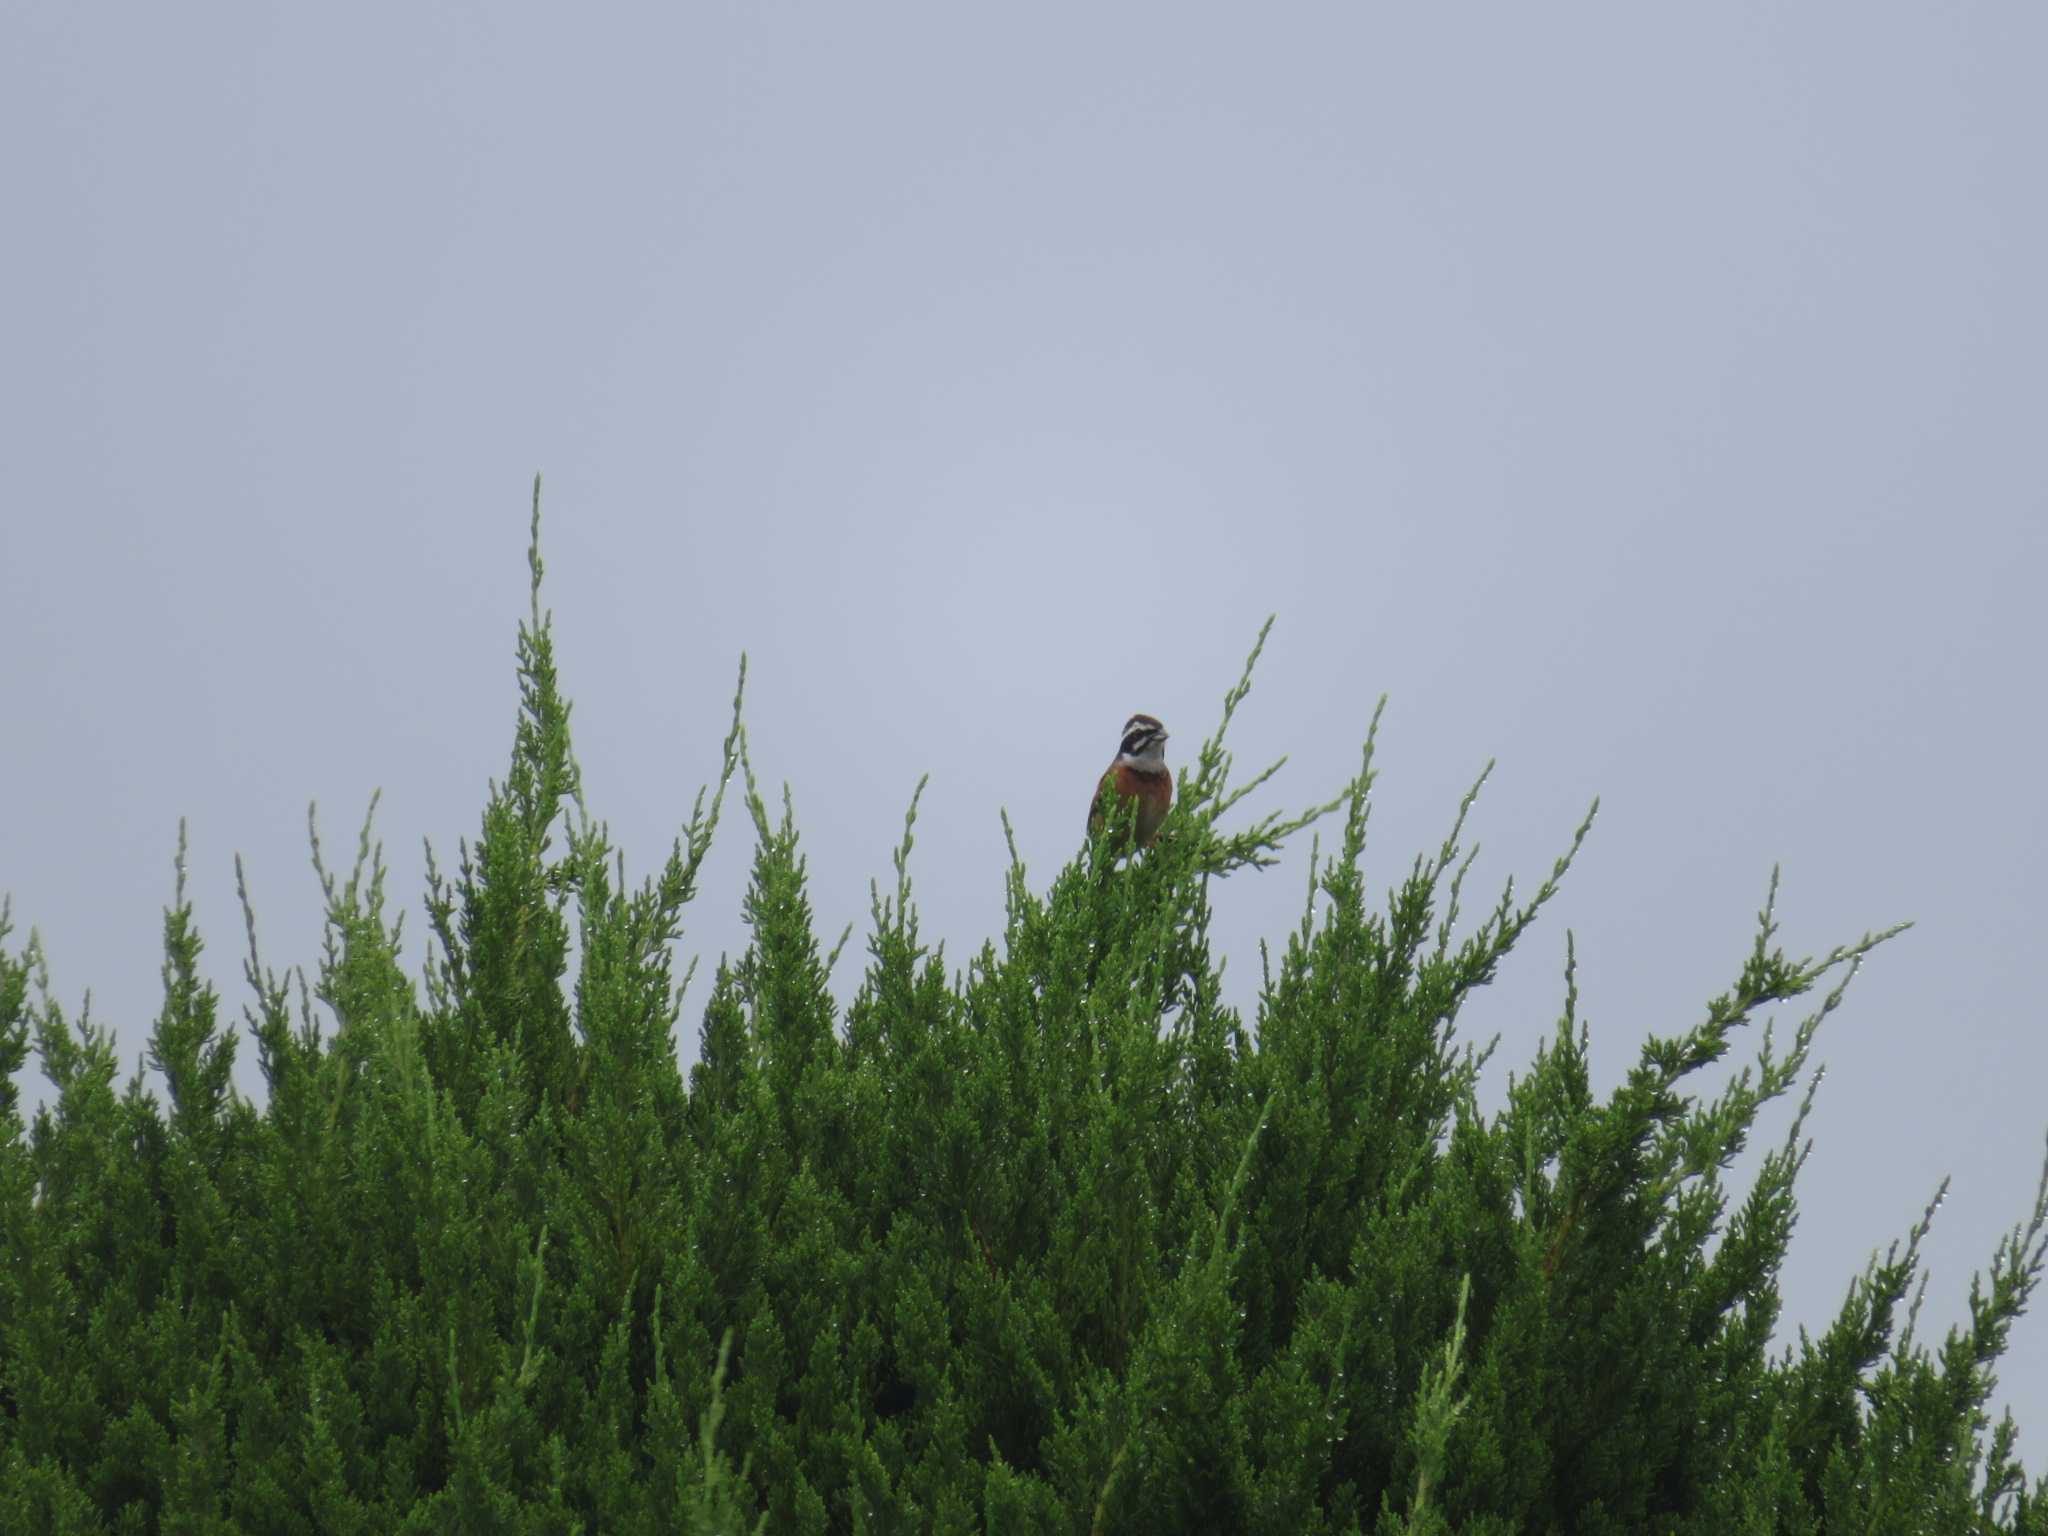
(1144, 737)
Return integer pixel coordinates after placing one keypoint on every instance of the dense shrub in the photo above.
(1057, 1242)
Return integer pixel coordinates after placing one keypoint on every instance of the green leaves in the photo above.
(1060, 1239)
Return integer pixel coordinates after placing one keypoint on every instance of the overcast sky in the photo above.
(1652, 401)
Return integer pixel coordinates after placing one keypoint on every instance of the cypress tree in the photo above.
(1055, 1240)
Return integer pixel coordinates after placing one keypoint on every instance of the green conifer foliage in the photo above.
(1056, 1240)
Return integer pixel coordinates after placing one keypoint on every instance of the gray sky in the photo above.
(1651, 401)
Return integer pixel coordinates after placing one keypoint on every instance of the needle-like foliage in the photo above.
(1059, 1240)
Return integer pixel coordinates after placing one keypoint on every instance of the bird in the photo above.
(1139, 774)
